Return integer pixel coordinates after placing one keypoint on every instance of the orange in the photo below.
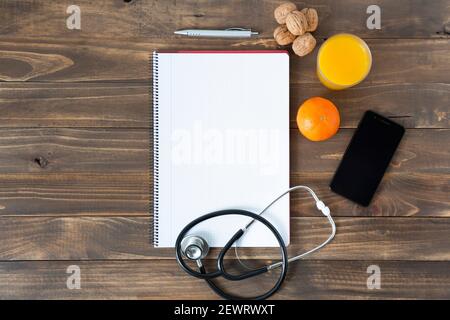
(318, 119)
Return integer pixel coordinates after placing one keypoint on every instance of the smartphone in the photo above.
(367, 157)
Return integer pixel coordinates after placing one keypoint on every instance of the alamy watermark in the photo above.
(73, 22)
(74, 280)
(205, 146)
(374, 20)
(374, 280)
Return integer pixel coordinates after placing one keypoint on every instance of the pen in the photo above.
(227, 33)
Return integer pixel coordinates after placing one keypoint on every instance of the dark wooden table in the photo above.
(74, 150)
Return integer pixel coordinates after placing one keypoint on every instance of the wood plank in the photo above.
(121, 105)
(399, 194)
(70, 61)
(74, 105)
(414, 105)
(74, 150)
(147, 18)
(74, 194)
(399, 61)
(165, 280)
(108, 150)
(401, 19)
(56, 172)
(66, 60)
(420, 151)
(93, 238)
(108, 194)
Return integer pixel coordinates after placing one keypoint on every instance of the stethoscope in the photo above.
(196, 248)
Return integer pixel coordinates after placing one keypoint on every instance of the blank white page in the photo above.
(223, 143)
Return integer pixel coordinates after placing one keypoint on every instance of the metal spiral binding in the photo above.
(155, 99)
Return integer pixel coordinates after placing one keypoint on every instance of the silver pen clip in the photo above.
(237, 29)
(242, 29)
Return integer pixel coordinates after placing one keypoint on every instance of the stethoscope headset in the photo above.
(195, 248)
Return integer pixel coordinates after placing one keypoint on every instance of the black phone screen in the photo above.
(367, 157)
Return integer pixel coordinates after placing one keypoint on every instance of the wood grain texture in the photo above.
(422, 151)
(414, 105)
(108, 150)
(399, 194)
(93, 238)
(399, 61)
(74, 194)
(31, 104)
(109, 194)
(162, 279)
(59, 171)
(65, 60)
(124, 105)
(146, 18)
(74, 150)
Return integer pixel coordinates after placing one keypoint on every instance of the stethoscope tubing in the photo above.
(320, 206)
(221, 272)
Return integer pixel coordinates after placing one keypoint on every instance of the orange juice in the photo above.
(344, 60)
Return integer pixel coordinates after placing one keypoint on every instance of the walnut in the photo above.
(283, 10)
(304, 44)
(312, 18)
(296, 23)
(282, 35)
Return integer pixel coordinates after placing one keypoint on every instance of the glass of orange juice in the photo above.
(344, 60)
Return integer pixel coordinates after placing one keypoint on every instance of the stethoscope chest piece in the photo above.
(194, 248)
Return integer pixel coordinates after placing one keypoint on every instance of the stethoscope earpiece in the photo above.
(194, 248)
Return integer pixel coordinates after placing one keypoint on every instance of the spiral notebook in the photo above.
(221, 141)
